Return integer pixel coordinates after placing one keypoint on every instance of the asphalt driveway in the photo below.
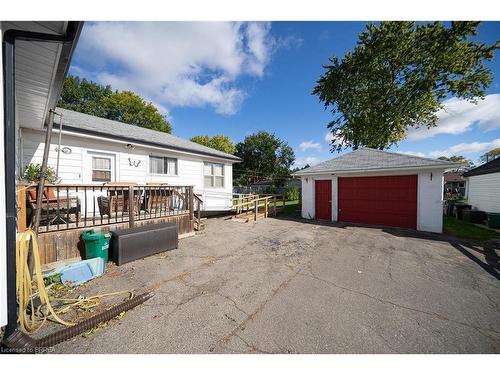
(284, 286)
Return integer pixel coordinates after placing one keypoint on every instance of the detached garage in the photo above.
(376, 187)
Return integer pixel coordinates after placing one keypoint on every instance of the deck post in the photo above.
(21, 207)
(131, 206)
(256, 209)
(266, 205)
(199, 213)
(191, 204)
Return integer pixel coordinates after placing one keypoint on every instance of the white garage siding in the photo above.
(430, 201)
(130, 165)
(429, 196)
(484, 192)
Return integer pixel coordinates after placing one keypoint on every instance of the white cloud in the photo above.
(329, 137)
(466, 148)
(306, 145)
(458, 116)
(311, 160)
(177, 64)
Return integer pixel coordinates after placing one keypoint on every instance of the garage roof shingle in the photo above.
(365, 159)
(84, 123)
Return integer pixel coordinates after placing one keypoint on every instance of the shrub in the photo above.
(292, 194)
(32, 174)
(271, 190)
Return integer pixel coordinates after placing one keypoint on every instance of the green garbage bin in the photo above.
(96, 244)
(493, 220)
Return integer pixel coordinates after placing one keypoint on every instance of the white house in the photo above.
(95, 150)
(369, 186)
(483, 187)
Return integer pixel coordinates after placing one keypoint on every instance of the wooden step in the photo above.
(199, 226)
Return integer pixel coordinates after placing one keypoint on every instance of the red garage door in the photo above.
(383, 200)
(323, 195)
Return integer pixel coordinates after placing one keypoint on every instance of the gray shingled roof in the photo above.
(89, 124)
(370, 159)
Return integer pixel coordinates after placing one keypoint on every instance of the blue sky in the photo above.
(239, 78)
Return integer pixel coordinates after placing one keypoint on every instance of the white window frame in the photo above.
(110, 170)
(213, 176)
(165, 160)
(87, 169)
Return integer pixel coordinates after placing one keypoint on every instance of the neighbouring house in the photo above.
(375, 187)
(95, 150)
(454, 183)
(483, 186)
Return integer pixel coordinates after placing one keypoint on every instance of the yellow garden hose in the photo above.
(27, 289)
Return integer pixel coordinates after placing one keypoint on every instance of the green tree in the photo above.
(263, 156)
(490, 155)
(84, 96)
(397, 77)
(458, 159)
(219, 142)
(94, 99)
(296, 169)
(127, 107)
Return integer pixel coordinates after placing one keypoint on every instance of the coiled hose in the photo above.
(30, 318)
(33, 320)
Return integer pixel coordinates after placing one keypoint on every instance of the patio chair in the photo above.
(117, 202)
(54, 210)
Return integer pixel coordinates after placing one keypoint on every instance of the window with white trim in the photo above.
(162, 165)
(101, 169)
(213, 175)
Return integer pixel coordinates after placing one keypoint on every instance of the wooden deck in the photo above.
(67, 244)
(67, 210)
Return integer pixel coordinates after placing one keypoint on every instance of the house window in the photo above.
(162, 165)
(101, 169)
(213, 174)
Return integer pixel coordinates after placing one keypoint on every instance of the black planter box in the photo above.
(131, 244)
(474, 216)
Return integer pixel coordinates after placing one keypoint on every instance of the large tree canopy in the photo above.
(458, 159)
(219, 142)
(98, 100)
(263, 157)
(397, 77)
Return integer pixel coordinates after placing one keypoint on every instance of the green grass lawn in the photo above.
(291, 207)
(459, 228)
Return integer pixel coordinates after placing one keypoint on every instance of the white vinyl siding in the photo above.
(129, 165)
(213, 175)
(162, 165)
(484, 192)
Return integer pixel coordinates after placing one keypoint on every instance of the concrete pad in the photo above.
(294, 286)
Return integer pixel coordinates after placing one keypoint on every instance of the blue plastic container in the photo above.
(81, 272)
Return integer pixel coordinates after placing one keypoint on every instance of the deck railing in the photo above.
(70, 206)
